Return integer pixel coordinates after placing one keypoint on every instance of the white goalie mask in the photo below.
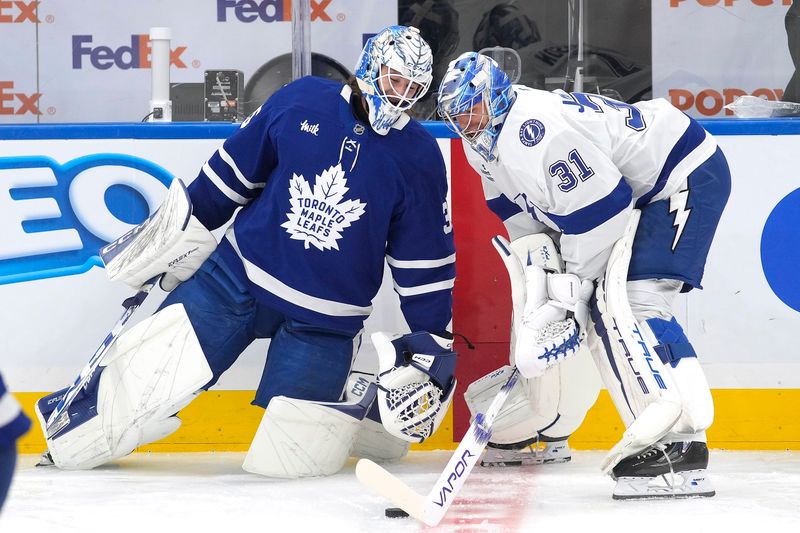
(395, 70)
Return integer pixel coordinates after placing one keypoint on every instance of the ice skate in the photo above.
(46, 459)
(674, 470)
(535, 452)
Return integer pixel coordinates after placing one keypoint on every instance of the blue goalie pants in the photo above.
(303, 361)
(674, 235)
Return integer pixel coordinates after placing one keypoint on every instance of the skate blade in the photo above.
(682, 485)
(46, 460)
(522, 460)
(664, 496)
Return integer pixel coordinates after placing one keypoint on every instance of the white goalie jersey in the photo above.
(579, 163)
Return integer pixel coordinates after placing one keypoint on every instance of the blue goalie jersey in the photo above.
(324, 200)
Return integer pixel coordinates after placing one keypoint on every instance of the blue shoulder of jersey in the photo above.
(309, 91)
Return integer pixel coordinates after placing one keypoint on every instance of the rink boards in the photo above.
(69, 188)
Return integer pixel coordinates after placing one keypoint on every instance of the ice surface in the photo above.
(198, 492)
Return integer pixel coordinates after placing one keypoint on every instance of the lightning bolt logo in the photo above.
(677, 205)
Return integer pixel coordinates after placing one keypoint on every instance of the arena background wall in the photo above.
(65, 189)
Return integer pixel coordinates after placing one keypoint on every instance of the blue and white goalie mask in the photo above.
(394, 71)
(474, 99)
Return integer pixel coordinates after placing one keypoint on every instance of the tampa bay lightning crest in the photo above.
(531, 132)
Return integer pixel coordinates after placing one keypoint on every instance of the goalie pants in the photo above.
(675, 234)
(303, 361)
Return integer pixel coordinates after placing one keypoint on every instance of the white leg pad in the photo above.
(531, 405)
(372, 441)
(300, 438)
(153, 370)
(580, 387)
(553, 405)
(375, 443)
(630, 362)
(607, 374)
(698, 405)
(653, 300)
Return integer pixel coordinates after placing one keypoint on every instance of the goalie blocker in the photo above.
(171, 243)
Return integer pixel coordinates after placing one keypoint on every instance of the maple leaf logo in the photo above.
(319, 218)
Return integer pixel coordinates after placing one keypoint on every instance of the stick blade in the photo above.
(379, 480)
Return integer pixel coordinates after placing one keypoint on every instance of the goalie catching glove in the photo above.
(555, 309)
(171, 243)
(416, 382)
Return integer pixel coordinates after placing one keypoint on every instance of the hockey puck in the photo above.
(395, 512)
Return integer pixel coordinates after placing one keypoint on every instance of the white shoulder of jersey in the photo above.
(534, 119)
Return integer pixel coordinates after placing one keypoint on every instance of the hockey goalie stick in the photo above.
(59, 418)
(431, 509)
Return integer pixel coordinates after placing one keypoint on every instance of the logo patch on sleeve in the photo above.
(531, 132)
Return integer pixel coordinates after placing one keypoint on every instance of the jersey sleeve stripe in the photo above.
(424, 289)
(595, 214)
(275, 286)
(421, 263)
(412, 277)
(231, 163)
(689, 141)
(503, 207)
(223, 188)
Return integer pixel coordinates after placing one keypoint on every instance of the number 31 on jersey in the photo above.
(567, 171)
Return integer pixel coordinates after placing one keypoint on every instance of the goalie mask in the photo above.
(474, 99)
(416, 382)
(394, 71)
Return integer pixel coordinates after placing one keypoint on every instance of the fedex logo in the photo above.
(268, 10)
(137, 55)
(16, 12)
(55, 217)
(12, 103)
